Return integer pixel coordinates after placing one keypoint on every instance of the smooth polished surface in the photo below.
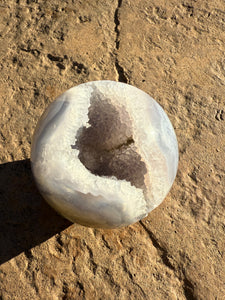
(104, 154)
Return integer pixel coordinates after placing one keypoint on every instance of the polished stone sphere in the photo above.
(104, 154)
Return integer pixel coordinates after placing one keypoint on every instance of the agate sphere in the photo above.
(104, 154)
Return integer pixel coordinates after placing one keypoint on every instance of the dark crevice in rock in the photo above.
(28, 254)
(65, 290)
(106, 147)
(106, 244)
(120, 71)
(59, 240)
(81, 288)
(79, 67)
(219, 115)
(60, 66)
(189, 290)
(35, 52)
(117, 23)
(55, 58)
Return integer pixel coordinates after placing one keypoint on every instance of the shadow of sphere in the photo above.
(26, 220)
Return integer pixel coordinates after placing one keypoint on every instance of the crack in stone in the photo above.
(119, 69)
(117, 23)
(188, 288)
(187, 285)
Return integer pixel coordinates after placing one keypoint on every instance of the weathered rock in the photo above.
(172, 50)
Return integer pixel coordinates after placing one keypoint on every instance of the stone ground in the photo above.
(173, 50)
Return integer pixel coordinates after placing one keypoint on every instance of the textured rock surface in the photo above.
(174, 51)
